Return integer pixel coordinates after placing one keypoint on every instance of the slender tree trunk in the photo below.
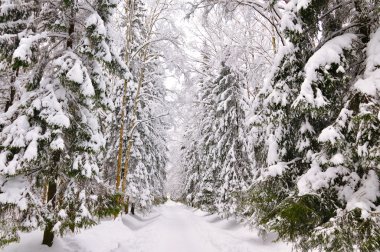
(126, 164)
(69, 42)
(129, 9)
(48, 235)
(11, 98)
(133, 209)
(121, 137)
(274, 44)
(48, 232)
(44, 197)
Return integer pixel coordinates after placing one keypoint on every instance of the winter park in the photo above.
(189, 125)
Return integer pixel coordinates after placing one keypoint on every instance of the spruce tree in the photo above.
(343, 173)
(303, 194)
(198, 156)
(289, 134)
(206, 170)
(51, 135)
(230, 151)
(190, 165)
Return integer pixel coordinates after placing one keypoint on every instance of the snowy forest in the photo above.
(189, 125)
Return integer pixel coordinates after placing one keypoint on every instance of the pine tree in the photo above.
(145, 182)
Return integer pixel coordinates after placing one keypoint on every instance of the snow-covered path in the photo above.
(172, 227)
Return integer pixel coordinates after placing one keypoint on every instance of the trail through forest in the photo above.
(172, 227)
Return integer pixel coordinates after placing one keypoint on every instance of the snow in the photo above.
(275, 170)
(100, 31)
(366, 195)
(59, 119)
(371, 83)
(328, 54)
(306, 127)
(171, 227)
(315, 179)
(24, 51)
(31, 152)
(303, 4)
(272, 157)
(57, 144)
(329, 134)
(287, 20)
(337, 159)
(75, 74)
(12, 193)
(16, 132)
(95, 20)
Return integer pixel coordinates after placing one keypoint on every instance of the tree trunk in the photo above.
(69, 42)
(121, 137)
(129, 9)
(48, 232)
(133, 209)
(11, 98)
(12, 92)
(126, 206)
(48, 235)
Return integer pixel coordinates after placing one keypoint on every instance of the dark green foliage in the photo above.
(297, 216)
(346, 232)
(111, 207)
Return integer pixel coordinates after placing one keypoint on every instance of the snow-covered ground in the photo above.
(171, 227)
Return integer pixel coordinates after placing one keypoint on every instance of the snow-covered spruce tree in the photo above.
(344, 174)
(289, 134)
(149, 150)
(22, 13)
(198, 157)
(190, 163)
(205, 171)
(300, 195)
(230, 152)
(51, 135)
(153, 100)
(217, 164)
